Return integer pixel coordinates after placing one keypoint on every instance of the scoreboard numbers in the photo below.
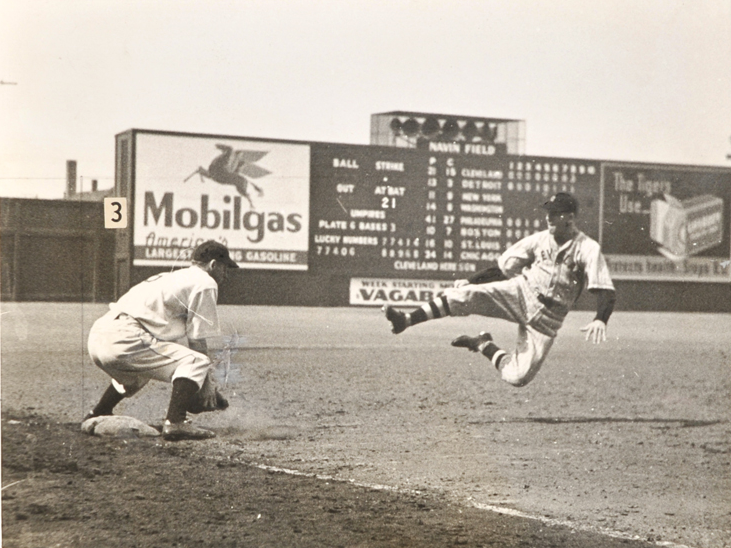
(405, 213)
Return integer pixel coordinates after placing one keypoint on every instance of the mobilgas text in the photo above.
(228, 217)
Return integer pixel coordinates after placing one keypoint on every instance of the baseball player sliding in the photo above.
(535, 283)
(135, 341)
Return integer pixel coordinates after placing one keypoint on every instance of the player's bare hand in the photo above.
(461, 283)
(596, 331)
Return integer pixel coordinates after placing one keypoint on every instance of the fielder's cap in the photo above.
(210, 250)
(562, 202)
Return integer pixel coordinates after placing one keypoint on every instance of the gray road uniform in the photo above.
(543, 282)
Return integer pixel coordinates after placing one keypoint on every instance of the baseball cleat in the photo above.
(176, 431)
(472, 343)
(397, 319)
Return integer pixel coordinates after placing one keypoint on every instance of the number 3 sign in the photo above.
(115, 212)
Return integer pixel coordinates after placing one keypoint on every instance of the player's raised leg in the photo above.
(483, 344)
(518, 367)
(473, 344)
(434, 309)
(495, 300)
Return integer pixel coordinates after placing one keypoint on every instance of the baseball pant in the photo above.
(506, 300)
(121, 347)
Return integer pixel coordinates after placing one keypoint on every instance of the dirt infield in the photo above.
(81, 492)
(630, 439)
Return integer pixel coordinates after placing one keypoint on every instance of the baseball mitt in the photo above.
(208, 398)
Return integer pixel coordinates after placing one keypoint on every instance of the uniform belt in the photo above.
(551, 304)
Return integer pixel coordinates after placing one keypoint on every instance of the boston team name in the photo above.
(228, 219)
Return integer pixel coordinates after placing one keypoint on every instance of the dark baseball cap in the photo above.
(210, 250)
(562, 202)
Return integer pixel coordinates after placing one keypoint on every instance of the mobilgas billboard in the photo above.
(251, 195)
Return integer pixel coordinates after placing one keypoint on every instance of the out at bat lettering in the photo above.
(386, 190)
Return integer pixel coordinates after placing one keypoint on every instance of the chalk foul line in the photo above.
(478, 505)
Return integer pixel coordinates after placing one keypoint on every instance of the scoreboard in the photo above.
(442, 212)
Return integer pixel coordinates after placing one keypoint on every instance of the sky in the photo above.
(632, 80)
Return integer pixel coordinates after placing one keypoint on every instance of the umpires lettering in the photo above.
(207, 217)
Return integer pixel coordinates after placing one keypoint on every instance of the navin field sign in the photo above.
(252, 196)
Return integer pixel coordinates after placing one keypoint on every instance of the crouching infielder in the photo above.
(535, 283)
(135, 341)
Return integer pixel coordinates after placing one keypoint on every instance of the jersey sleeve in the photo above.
(488, 275)
(518, 256)
(202, 315)
(595, 268)
(605, 299)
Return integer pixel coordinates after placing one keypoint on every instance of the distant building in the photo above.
(93, 195)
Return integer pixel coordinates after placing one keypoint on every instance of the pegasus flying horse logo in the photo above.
(235, 167)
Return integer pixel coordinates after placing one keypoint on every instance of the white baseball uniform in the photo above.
(135, 341)
(544, 281)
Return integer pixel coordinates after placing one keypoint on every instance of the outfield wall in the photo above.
(54, 250)
(328, 224)
(266, 288)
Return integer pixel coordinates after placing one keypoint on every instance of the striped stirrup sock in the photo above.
(493, 353)
(437, 308)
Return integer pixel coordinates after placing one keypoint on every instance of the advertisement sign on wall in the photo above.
(666, 223)
(252, 196)
(380, 291)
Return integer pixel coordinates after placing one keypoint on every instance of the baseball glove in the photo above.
(208, 398)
